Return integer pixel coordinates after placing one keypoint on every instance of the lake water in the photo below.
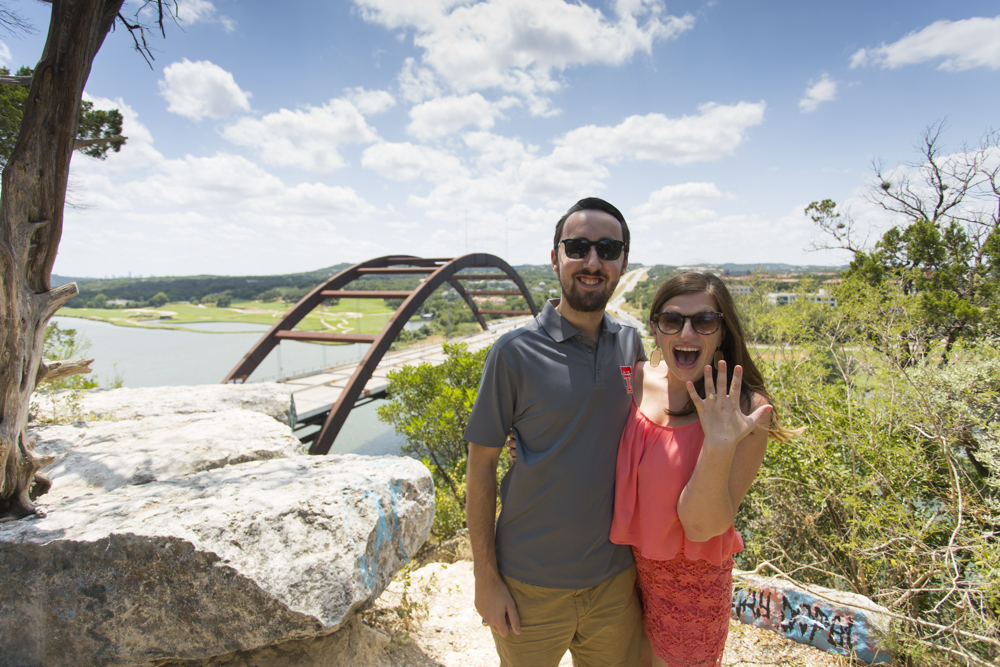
(148, 357)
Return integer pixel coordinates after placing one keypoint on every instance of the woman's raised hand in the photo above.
(721, 417)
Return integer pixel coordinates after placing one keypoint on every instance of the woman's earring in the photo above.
(718, 357)
(655, 358)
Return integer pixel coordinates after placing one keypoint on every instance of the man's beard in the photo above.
(587, 302)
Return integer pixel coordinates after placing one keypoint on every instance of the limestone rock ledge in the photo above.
(223, 560)
(93, 457)
(269, 398)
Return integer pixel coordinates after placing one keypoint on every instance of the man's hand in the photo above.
(495, 604)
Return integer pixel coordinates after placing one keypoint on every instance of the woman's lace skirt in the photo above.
(685, 608)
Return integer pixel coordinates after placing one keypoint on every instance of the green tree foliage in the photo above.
(100, 124)
(944, 250)
(61, 344)
(12, 100)
(893, 489)
(224, 301)
(158, 299)
(430, 407)
(94, 124)
(272, 294)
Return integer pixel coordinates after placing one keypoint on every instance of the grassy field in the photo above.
(349, 316)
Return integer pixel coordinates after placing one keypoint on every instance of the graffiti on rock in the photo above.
(808, 620)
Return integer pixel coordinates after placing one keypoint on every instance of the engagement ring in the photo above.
(711, 396)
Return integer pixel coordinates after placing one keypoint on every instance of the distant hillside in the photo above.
(58, 281)
(289, 287)
(186, 288)
(736, 269)
(539, 278)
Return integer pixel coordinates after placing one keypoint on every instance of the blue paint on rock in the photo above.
(807, 619)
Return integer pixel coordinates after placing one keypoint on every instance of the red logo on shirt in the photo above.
(627, 374)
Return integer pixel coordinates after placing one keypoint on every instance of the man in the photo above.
(549, 579)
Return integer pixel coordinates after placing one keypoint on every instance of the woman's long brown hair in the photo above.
(734, 348)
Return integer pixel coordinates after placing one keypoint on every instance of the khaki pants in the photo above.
(601, 626)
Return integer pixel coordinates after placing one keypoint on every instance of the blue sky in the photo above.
(266, 141)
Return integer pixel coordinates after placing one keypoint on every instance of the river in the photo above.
(147, 357)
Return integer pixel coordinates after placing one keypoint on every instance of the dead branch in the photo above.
(49, 371)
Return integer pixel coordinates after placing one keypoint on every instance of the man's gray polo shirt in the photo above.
(568, 403)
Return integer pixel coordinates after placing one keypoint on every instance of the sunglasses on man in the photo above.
(706, 323)
(607, 249)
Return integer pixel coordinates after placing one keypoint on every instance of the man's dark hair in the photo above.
(592, 204)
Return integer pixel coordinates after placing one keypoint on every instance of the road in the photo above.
(627, 284)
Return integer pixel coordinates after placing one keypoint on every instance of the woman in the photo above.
(691, 448)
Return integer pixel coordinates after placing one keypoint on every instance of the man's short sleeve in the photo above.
(493, 413)
(640, 349)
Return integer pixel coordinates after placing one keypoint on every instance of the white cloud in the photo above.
(406, 162)
(447, 115)
(824, 90)
(201, 11)
(495, 149)
(417, 83)
(213, 211)
(5, 55)
(370, 102)
(307, 138)
(195, 11)
(715, 132)
(517, 46)
(960, 45)
(684, 203)
(504, 171)
(199, 89)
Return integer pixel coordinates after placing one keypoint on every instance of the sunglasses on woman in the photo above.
(606, 248)
(704, 323)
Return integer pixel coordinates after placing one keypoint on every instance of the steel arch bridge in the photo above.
(437, 272)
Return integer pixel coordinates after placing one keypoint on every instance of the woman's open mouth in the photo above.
(686, 357)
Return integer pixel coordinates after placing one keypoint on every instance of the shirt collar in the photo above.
(559, 329)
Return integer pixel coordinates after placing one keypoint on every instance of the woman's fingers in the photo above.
(699, 404)
(759, 413)
(737, 385)
(710, 383)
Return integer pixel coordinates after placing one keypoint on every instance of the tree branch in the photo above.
(84, 143)
(51, 301)
(49, 371)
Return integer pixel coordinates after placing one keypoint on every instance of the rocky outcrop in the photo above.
(188, 536)
(831, 620)
(98, 456)
(269, 398)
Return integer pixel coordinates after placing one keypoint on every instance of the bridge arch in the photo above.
(438, 271)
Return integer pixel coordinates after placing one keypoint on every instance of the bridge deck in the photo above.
(315, 394)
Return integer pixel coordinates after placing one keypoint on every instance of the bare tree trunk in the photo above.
(31, 216)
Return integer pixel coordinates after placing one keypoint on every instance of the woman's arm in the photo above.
(731, 455)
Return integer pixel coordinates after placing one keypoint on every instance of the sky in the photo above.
(282, 137)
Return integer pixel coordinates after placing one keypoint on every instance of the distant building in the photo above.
(785, 298)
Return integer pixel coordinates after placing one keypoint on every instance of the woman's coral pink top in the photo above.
(654, 464)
